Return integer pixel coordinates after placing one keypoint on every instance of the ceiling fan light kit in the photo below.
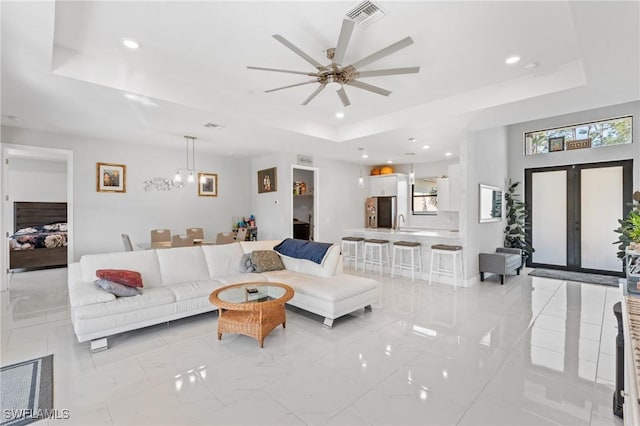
(335, 75)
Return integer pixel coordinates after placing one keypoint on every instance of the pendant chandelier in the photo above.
(190, 142)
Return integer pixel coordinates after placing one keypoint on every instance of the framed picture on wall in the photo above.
(556, 144)
(111, 177)
(207, 185)
(267, 180)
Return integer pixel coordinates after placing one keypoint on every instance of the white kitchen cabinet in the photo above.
(383, 186)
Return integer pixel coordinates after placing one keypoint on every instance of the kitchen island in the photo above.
(426, 237)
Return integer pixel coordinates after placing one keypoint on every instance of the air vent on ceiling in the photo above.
(212, 125)
(364, 13)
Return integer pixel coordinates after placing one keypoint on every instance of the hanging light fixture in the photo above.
(361, 178)
(412, 175)
(190, 146)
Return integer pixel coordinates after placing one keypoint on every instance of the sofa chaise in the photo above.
(178, 281)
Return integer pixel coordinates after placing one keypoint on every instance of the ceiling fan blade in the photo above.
(313, 74)
(314, 94)
(390, 71)
(384, 52)
(343, 41)
(369, 87)
(343, 97)
(298, 52)
(292, 85)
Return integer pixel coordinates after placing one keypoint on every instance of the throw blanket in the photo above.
(44, 236)
(302, 249)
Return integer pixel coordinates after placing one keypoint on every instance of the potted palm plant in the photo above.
(629, 228)
(515, 231)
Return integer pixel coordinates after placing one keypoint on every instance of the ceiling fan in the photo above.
(337, 75)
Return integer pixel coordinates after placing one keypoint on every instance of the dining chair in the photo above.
(242, 234)
(181, 240)
(195, 233)
(127, 242)
(160, 235)
(225, 238)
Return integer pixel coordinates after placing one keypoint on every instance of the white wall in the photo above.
(37, 180)
(518, 162)
(31, 179)
(483, 159)
(340, 200)
(100, 218)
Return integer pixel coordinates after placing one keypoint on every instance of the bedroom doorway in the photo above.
(39, 174)
(304, 202)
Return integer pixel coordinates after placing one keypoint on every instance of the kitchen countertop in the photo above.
(409, 232)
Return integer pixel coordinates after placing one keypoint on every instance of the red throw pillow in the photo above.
(121, 276)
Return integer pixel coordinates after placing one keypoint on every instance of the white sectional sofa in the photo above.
(178, 281)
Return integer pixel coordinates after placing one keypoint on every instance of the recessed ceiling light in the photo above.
(512, 60)
(426, 146)
(531, 66)
(212, 125)
(130, 43)
(448, 154)
(389, 162)
(365, 156)
(339, 114)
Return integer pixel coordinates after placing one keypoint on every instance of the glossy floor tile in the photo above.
(534, 351)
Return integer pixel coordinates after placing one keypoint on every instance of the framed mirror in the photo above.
(424, 196)
(490, 203)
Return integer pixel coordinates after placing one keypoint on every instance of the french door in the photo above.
(574, 210)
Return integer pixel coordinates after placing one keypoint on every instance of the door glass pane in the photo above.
(601, 207)
(549, 217)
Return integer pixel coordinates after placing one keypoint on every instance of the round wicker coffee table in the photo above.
(252, 309)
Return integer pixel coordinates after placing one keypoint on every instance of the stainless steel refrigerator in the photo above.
(380, 212)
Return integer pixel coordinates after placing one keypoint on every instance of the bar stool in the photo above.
(373, 250)
(350, 247)
(447, 250)
(402, 247)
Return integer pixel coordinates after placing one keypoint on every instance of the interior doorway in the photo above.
(574, 210)
(30, 173)
(304, 202)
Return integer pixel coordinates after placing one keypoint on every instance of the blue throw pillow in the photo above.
(303, 249)
(116, 289)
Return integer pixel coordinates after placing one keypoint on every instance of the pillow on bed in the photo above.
(116, 289)
(266, 260)
(121, 276)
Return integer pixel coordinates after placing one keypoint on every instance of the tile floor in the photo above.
(535, 351)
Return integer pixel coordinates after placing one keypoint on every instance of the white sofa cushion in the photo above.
(244, 278)
(290, 263)
(182, 264)
(149, 298)
(328, 267)
(223, 260)
(144, 261)
(87, 294)
(334, 288)
(194, 289)
(287, 277)
(249, 246)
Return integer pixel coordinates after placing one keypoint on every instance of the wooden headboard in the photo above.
(26, 214)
